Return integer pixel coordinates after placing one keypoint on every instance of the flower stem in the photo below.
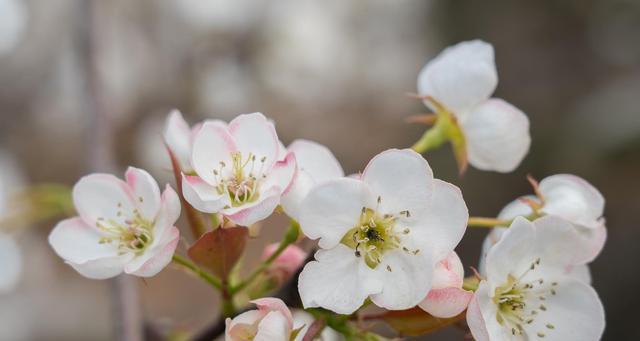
(487, 222)
(289, 238)
(207, 277)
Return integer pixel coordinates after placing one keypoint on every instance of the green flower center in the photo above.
(132, 235)
(375, 234)
(241, 181)
(521, 302)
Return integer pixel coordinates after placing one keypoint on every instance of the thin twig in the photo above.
(100, 158)
(207, 277)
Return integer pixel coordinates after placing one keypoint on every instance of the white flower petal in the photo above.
(145, 190)
(461, 76)
(102, 196)
(283, 174)
(291, 201)
(316, 160)
(304, 319)
(516, 208)
(497, 136)
(75, 241)
(406, 279)
(403, 180)
(554, 236)
(251, 213)
(273, 327)
(443, 220)
(481, 316)
(253, 133)
(572, 198)
(575, 313)
(102, 268)
(512, 252)
(337, 280)
(10, 263)
(178, 137)
(332, 208)
(212, 146)
(157, 257)
(170, 208)
(581, 273)
(202, 196)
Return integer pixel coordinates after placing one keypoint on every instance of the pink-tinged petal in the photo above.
(249, 214)
(449, 272)
(254, 134)
(145, 190)
(170, 208)
(283, 174)
(446, 302)
(212, 147)
(75, 241)
(304, 320)
(178, 137)
(442, 222)
(102, 268)
(332, 208)
(402, 179)
(288, 262)
(337, 280)
(202, 196)
(497, 136)
(406, 277)
(316, 160)
(274, 304)
(575, 312)
(291, 201)
(572, 198)
(103, 196)
(157, 257)
(513, 251)
(461, 76)
(273, 327)
(476, 317)
(282, 151)
(10, 263)
(243, 326)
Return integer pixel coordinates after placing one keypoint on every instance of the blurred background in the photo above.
(333, 71)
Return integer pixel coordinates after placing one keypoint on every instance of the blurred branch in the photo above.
(99, 155)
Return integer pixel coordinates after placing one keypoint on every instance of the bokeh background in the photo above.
(331, 71)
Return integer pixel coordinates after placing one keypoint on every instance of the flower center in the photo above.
(376, 234)
(520, 302)
(134, 234)
(240, 181)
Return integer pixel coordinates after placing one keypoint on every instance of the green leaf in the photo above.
(219, 250)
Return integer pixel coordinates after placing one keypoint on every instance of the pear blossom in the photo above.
(178, 137)
(238, 171)
(272, 321)
(446, 297)
(460, 81)
(527, 293)
(122, 226)
(303, 320)
(381, 235)
(565, 196)
(287, 263)
(316, 164)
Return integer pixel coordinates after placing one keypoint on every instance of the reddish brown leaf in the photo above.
(415, 321)
(220, 249)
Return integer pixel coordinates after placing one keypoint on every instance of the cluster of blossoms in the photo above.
(384, 236)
